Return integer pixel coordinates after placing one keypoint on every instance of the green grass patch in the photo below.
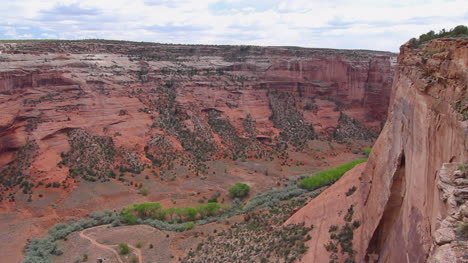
(366, 150)
(328, 176)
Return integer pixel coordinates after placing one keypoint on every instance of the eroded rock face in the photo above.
(450, 235)
(161, 102)
(400, 207)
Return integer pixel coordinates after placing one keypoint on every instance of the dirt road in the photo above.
(111, 248)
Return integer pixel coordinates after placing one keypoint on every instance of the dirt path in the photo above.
(109, 247)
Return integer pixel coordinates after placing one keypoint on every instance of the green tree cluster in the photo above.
(458, 31)
(149, 210)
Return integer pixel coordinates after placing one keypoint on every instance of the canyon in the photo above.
(88, 125)
(93, 125)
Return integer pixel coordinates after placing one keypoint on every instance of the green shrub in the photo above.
(128, 218)
(212, 209)
(328, 176)
(239, 190)
(139, 244)
(190, 213)
(189, 225)
(123, 249)
(144, 191)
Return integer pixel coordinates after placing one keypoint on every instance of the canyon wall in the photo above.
(405, 193)
(162, 101)
(84, 125)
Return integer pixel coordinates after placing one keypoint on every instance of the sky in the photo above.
(356, 24)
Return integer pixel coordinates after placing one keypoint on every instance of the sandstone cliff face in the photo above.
(157, 102)
(398, 201)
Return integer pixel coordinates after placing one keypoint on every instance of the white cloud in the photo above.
(382, 25)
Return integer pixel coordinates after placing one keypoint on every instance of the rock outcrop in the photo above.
(405, 193)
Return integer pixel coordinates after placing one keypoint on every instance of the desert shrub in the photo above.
(272, 197)
(144, 191)
(139, 244)
(343, 237)
(254, 239)
(40, 250)
(328, 176)
(351, 191)
(123, 249)
(162, 225)
(239, 190)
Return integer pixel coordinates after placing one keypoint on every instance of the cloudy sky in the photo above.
(357, 24)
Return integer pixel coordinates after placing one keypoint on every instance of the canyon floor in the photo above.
(22, 220)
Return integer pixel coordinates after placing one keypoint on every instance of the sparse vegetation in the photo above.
(139, 244)
(15, 173)
(143, 191)
(349, 128)
(343, 237)
(177, 219)
(289, 120)
(90, 157)
(281, 244)
(123, 249)
(223, 127)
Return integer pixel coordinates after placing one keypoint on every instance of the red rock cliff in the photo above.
(404, 203)
(145, 91)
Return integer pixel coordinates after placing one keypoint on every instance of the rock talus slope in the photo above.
(404, 200)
